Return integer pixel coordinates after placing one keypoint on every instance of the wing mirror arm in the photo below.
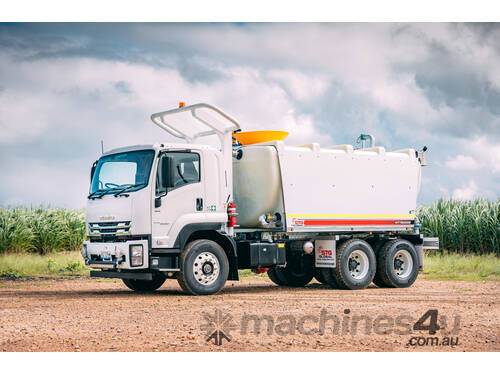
(158, 200)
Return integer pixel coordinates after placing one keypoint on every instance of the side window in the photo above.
(186, 170)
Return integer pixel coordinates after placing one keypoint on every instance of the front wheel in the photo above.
(204, 268)
(145, 285)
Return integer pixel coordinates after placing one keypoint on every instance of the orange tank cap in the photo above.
(260, 136)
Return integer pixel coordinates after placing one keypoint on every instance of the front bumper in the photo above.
(114, 255)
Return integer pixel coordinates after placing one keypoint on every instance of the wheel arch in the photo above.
(212, 232)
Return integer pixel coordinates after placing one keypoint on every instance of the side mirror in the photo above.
(167, 177)
(92, 170)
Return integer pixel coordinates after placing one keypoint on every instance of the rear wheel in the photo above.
(377, 247)
(145, 285)
(273, 275)
(397, 264)
(327, 274)
(298, 272)
(204, 268)
(318, 275)
(355, 265)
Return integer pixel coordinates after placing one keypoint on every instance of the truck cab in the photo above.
(147, 202)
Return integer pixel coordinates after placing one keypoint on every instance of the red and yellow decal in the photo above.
(350, 220)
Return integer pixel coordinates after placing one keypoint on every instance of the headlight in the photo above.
(136, 255)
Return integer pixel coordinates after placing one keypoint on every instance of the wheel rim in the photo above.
(403, 264)
(206, 268)
(358, 264)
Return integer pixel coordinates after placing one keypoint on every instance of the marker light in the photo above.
(182, 104)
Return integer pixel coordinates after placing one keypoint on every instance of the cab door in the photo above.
(180, 203)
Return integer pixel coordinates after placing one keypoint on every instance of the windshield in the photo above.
(118, 171)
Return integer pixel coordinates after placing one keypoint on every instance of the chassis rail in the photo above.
(122, 275)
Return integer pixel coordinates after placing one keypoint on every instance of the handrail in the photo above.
(159, 119)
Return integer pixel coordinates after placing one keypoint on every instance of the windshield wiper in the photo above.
(94, 195)
(118, 193)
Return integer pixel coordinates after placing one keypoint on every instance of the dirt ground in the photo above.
(103, 315)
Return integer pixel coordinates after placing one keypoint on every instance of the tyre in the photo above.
(377, 247)
(145, 285)
(273, 275)
(318, 275)
(204, 268)
(298, 272)
(355, 265)
(397, 264)
(329, 278)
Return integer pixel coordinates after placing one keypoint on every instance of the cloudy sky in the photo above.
(66, 87)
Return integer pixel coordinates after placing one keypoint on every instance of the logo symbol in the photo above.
(218, 327)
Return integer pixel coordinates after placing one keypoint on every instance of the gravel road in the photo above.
(103, 315)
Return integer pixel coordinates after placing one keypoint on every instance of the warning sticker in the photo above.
(325, 253)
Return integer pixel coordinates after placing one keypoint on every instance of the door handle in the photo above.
(199, 204)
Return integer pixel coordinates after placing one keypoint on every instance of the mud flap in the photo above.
(420, 253)
(325, 252)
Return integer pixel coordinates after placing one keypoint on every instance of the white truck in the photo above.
(198, 213)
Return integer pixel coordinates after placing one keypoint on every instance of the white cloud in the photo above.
(246, 94)
(362, 57)
(304, 87)
(484, 155)
(487, 151)
(443, 191)
(466, 192)
(462, 162)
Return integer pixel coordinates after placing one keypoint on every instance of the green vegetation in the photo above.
(461, 267)
(463, 227)
(41, 230)
(14, 266)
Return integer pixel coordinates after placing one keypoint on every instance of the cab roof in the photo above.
(158, 147)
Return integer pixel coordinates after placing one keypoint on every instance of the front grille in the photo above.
(110, 228)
